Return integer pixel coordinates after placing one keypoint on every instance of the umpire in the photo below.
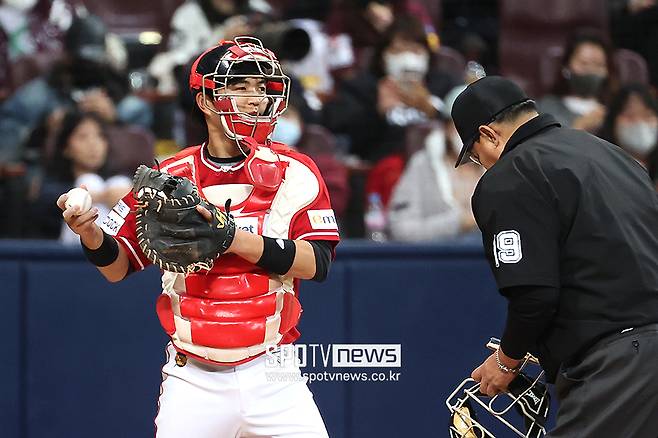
(570, 229)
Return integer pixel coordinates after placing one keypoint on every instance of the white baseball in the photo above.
(80, 199)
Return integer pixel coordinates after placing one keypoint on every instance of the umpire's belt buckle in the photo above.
(181, 359)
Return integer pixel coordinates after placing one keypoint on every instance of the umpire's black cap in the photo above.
(479, 104)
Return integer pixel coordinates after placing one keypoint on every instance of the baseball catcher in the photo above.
(234, 224)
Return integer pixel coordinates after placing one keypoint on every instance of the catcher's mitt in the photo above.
(171, 232)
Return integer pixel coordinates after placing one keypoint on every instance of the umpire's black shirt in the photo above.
(564, 209)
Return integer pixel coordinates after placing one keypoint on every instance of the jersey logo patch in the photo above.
(249, 224)
(507, 247)
(122, 209)
(322, 219)
(112, 223)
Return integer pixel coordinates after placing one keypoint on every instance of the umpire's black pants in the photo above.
(612, 391)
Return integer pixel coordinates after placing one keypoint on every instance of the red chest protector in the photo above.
(232, 313)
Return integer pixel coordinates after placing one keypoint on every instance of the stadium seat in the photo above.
(631, 66)
(434, 9)
(319, 143)
(131, 20)
(549, 63)
(130, 16)
(317, 140)
(450, 61)
(130, 146)
(26, 68)
(529, 28)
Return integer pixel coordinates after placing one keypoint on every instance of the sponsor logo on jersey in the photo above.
(112, 223)
(122, 209)
(322, 219)
(249, 224)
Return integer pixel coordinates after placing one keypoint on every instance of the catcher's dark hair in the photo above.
(208, 63)
(60, 167)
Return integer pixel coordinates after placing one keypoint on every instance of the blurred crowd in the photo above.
(89, 89)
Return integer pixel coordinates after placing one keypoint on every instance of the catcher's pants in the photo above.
(612, 392)
(250, 400)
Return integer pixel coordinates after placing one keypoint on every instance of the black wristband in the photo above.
(278, 255)
(104, 255)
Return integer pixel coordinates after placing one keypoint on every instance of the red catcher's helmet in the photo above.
(230, 61)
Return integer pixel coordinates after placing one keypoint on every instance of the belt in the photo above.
(182, 360)
(624, 333)
(609, 338)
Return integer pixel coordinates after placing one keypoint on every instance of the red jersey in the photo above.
(236, 310)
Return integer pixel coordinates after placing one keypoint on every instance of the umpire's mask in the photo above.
(523, 409)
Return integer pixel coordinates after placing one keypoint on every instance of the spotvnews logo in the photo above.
(335, 355)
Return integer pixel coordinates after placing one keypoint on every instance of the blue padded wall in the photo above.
(93, 352)
(324, 321)
(441, 312)
(11, 401)
(83, 356)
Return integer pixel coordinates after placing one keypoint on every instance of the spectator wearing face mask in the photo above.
(584, 84)
(373, 110)
(632, 124)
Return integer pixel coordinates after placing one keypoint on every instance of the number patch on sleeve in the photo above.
(507, 247)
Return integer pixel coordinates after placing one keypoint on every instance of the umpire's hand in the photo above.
(492, 378)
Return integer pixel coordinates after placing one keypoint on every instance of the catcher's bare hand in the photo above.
(81, 224)
(204, 212)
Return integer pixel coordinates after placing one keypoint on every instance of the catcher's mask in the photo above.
(523, 409)
(231, 62)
